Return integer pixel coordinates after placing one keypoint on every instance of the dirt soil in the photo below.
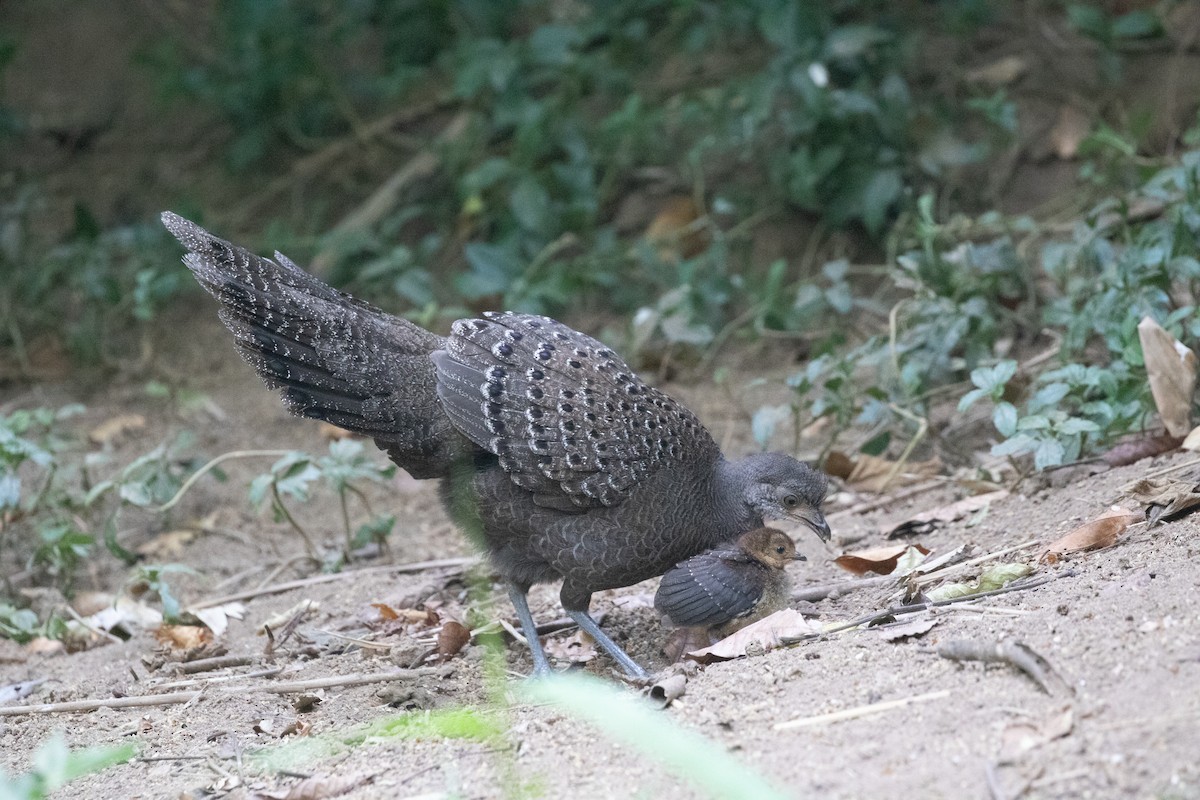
(1120, 626)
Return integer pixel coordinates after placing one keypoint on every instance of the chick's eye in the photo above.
(779, 550)
(791, 501)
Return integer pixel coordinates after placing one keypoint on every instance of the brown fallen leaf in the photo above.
(1099, 533)
(578, 648)
(316, 787)
(1022, 737)
(926, 521)
(1165, 498)
(1133, 451)
(452, 638)
(166, 546)
(112, 429)
(760, 636)
(1171, 370)
(676, 231)
(874, 474)
(880, 560)
(183, 637)
(332, 432)
(999, 73)
(1069, 131)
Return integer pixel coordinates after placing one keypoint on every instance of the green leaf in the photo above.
(1140, 24)
(531, 206)
(970, 398)
(1049, 453)
(1005, 419)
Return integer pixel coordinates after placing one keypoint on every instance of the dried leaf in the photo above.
(166, 546)
(316, 787)
(926, 521)
(307, 701)
(999, 73)
(880, 560)
(760, 636)
(1165, 497)
(125, 614)
(1068, 132)
(1099, 533)
(873, 474)
(668, 690)
(1131, 452)
(216, 618)
(111, 429)
(1171, 368)
(452, 638)
(904, 630)
(577, 648)
(994, 577)
(385, 611)
(16, 691)
(305, 608)
(183, 637)
(1192, 440)
(333, 433)
(676, 231)
(1022, 737)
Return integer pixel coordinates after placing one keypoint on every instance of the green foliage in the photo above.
(965, 301)
(344, 470)
(55, 765)
(153, 578)
(87, 290)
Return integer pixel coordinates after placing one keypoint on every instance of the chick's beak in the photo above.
(800, 557)
(815, 521)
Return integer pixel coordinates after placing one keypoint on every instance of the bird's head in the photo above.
(769, 547)
(781, 488)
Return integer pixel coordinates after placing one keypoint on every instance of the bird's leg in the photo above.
(587, 624)
(541, 666)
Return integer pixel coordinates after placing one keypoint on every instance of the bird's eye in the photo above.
(779, 550)
(791, 501)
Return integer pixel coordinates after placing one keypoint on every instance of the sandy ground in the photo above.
(1120, 626)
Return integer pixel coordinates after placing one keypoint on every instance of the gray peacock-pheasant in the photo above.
(554, 457)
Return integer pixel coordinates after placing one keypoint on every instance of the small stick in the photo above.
(261, 673)
(287, 687)
(860, 711)
(360, 642)
(103, 634)
(952, 569)
(287, 586)
(140, 701)
(207, 664)
(1011, 652)
(867, 619)
(351, 680)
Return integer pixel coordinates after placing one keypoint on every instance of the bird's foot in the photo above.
(631, 668)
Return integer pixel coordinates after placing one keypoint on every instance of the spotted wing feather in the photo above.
(711, 588)
(332, 357)
(568, 419)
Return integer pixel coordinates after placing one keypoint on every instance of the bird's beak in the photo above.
(800, 557)
(814, 520)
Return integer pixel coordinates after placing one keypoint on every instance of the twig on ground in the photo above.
(175, 698)
(859, 711)
(103, 634)
(867, 619)
(1011, 652)
(416, 566)
(207, 664)
(261, 673)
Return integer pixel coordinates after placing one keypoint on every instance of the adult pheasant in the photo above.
(554, 457)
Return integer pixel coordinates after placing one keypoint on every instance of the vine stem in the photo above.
(195, 476)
